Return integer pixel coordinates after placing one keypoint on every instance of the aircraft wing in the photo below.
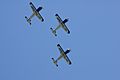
(65, 28)
(67, 59)
(58, 18)
(40, 17)
(32, 6)
(60, 48)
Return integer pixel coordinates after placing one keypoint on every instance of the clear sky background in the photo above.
(26, 51)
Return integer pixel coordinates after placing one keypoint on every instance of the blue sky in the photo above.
(26, 51)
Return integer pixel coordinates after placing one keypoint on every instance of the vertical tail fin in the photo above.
(55, 62)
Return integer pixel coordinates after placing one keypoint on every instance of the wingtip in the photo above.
(68, 32)
(70, 63)
(69, 49)
(30, 2)
(42, 20)
(68, 19)
(56, 14)
(52, 58)
(58, 44)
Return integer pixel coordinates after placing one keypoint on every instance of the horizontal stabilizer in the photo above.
(28, 20)
(55, 62)
(53, 31)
